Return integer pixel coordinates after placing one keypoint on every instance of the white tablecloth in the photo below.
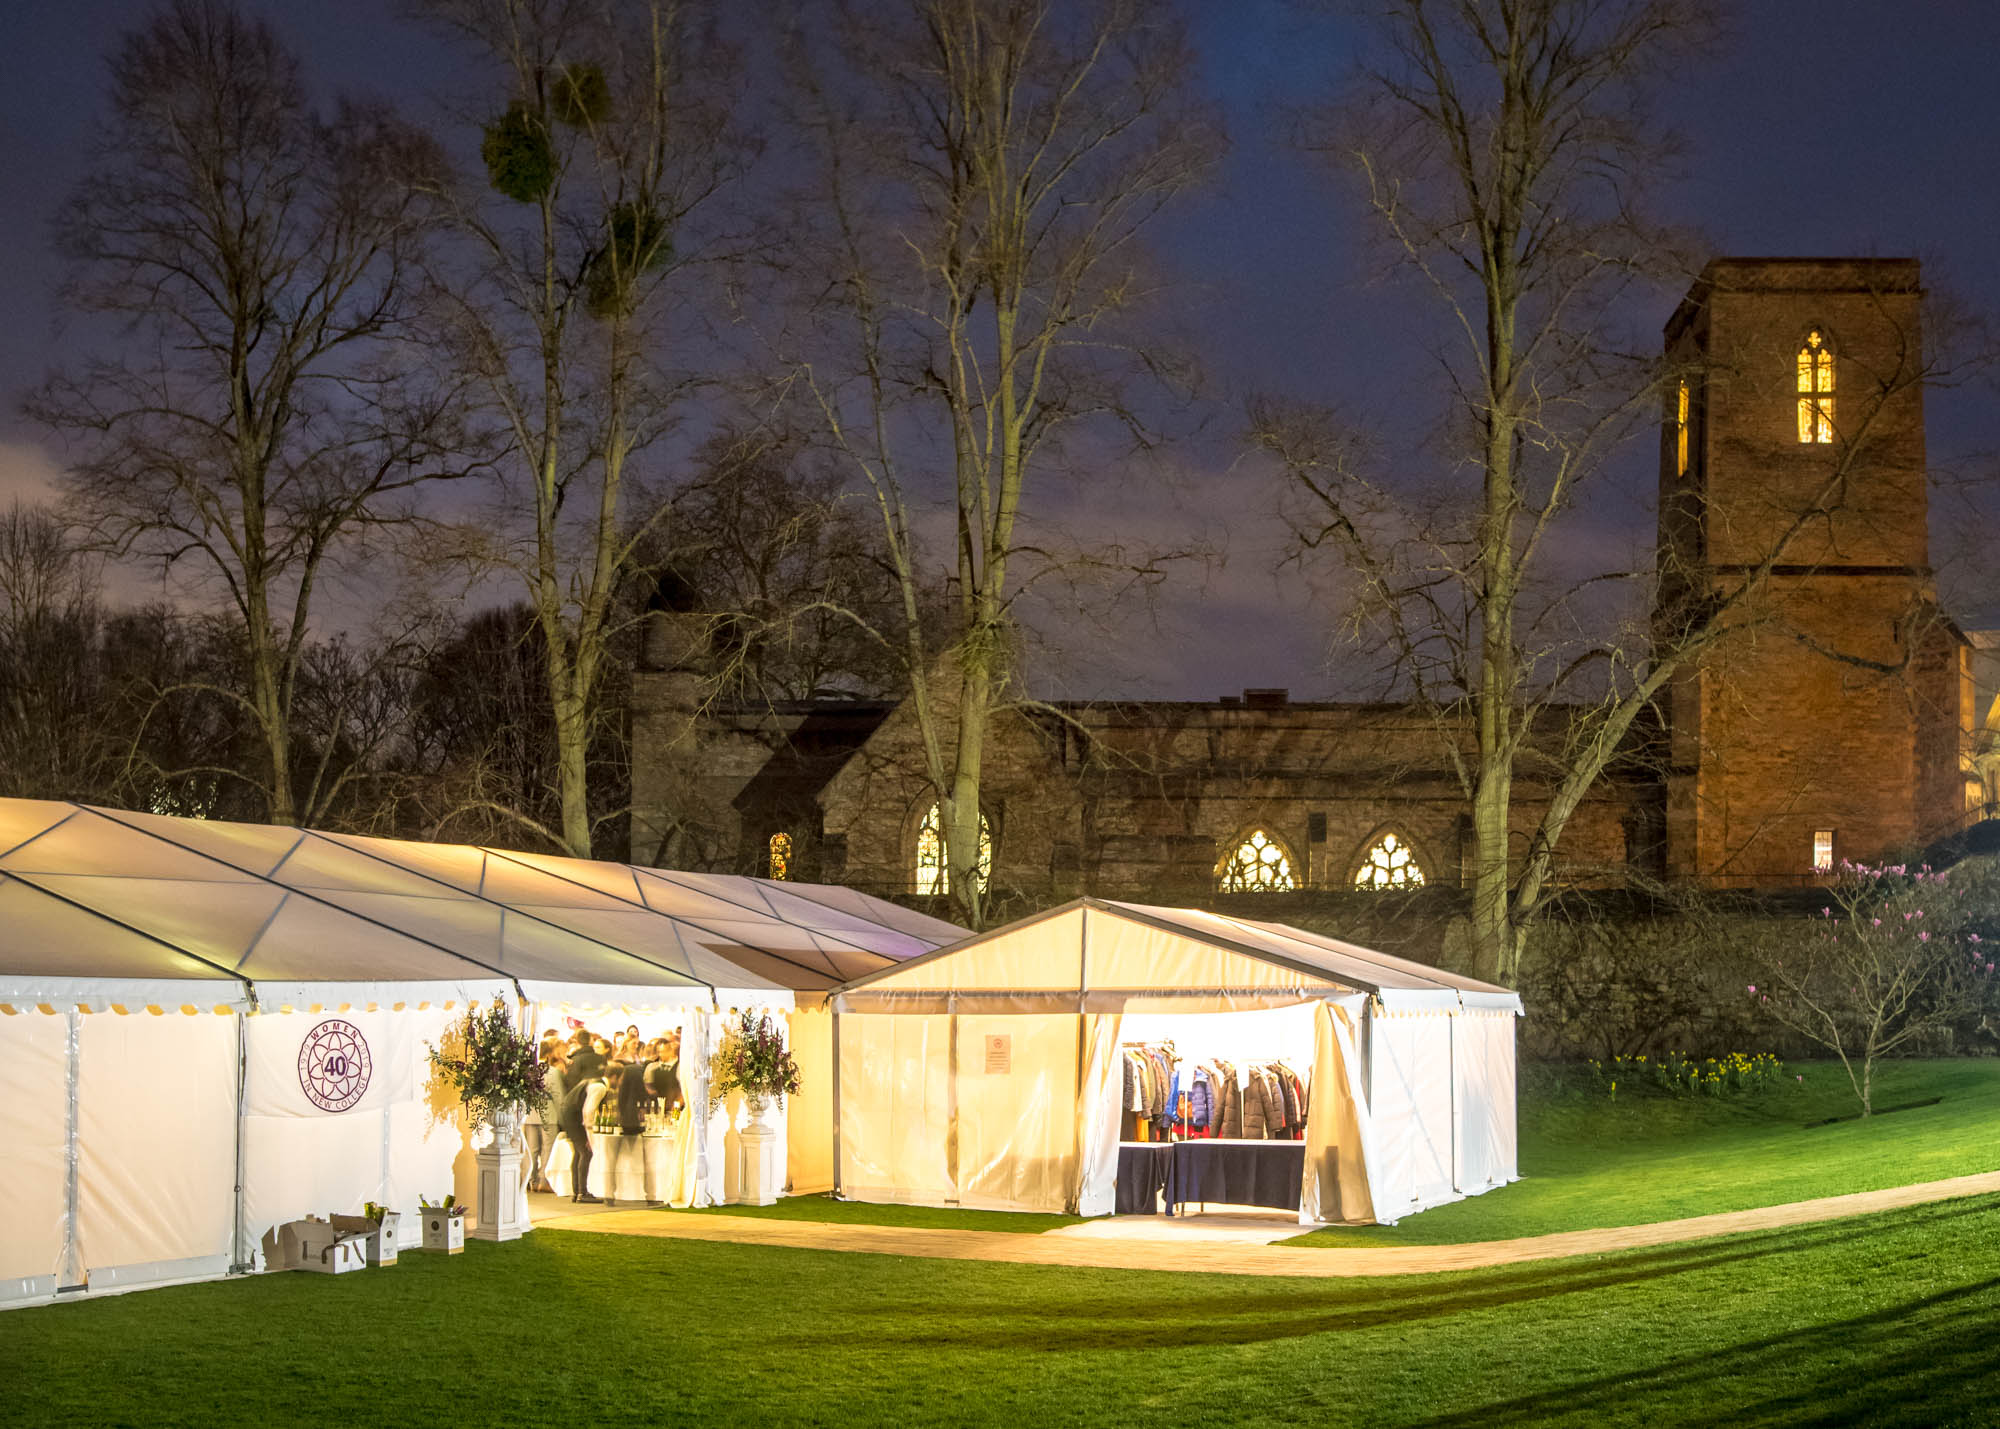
(643, 1174)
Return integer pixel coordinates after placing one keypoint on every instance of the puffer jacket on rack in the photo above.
(1282, 1076)
(1258, 1122)
(1201, 1100)
(1230, 1123)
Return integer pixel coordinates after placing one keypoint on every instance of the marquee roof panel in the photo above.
(99, 895)
(1101, 952)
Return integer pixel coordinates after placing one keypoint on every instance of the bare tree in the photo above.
(613, 134)
(793, 566)
(256, 254)
(58, 739)
(1504, 148)
(984, 170)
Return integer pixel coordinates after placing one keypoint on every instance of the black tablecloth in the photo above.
(1234, 1173)
(1142, 1173)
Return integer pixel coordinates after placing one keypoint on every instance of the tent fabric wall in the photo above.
(895, 1108)
(1483, 1094)
(392, 1146)
(809, 1114)
(1014, 1084)
(1342, 1149)
(156, 1146)
(1410, 1094)
(34, 1130)
(1098, 1115)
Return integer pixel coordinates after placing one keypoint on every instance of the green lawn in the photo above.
(1589, 1162)
(825, 1208)
(1886, 1320)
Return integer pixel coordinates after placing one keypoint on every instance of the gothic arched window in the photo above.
(1389, 862)
(1815, 377)
(1260, 863)
(933, 873)
(781, 855)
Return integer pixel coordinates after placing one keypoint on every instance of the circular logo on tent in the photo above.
(334, 1065)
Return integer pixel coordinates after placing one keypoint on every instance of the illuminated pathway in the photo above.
(1173, 1252)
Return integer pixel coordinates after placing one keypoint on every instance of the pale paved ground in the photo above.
(1236, 1227)
(1176, 1252)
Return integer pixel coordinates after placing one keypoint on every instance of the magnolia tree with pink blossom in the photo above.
(1892, 957)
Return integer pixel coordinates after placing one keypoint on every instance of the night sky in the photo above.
(1815, 130)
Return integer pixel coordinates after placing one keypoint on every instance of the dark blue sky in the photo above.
(1815, 129)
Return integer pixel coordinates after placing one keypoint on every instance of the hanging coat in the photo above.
(1232, 1102)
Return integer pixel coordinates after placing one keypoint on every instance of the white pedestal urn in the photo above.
(758, 1183)
(501, 1208)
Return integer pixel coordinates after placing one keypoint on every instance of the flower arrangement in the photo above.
(490, 1064)
(753, 1060)
(1681, 1075)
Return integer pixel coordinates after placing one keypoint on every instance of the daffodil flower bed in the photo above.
(1733, 1074)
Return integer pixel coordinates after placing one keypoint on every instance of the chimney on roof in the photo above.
(1266, 699)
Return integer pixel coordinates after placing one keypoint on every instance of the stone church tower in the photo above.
(1825, 723)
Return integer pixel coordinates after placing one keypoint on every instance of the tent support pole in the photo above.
(1082, 1021)
(239, 1254)
(71, 1275)
(833, 1006)
(951, 1096)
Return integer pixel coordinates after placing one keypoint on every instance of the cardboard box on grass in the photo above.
(443, 1230)
(317, 1245)
(379, 1235)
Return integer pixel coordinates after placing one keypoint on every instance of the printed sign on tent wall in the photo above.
(999, 1055)
(344, 1064)
(334, 1066)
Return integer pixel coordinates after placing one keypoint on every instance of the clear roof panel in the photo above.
(531, 948)
(310, 907)
(293, 949)
(88, 844)
(519, 885)
(46, 937)
(250, 848)
(216, 921)
(613, 880)
(459, 865)
(22, 819)
(321, 863)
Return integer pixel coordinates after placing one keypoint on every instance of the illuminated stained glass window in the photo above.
(1815, 374)
(933, 874)
(781, 855)
(1259, 864)
(1389, 863)
(1681, 432)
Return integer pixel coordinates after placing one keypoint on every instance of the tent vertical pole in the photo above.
(239, 1253)
(833, 1007)
(70, 1274)
(951, 1095)
(1082, 1023)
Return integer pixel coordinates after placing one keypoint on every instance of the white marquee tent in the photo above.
(169, 990)
(988, 1073)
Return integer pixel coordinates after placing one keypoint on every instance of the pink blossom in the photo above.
(1923, 937)
(1753, 987)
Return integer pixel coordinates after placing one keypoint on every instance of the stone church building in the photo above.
(1840, 715)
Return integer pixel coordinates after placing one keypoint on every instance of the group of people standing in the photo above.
(584, 1070)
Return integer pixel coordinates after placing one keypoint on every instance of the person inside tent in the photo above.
(579, 1108)
(539, 1127)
